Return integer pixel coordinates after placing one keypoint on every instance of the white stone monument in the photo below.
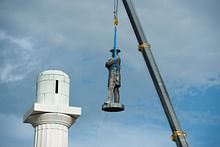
(51, 115)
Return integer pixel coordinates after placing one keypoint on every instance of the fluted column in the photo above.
(51, 129)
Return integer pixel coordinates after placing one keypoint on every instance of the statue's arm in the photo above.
(109, 63)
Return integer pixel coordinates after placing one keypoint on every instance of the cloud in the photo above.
(185, 46)
(17, 58)
(23, 43)
(188, 60)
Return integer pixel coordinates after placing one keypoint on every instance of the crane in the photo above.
(178, 136)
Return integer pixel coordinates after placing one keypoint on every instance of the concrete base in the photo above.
(113, 107)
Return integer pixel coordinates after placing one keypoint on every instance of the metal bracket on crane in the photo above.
(178, 133)
(142, 46)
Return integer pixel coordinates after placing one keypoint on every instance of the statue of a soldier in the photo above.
(114, 78)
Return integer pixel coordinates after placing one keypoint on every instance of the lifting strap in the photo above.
(115, 28)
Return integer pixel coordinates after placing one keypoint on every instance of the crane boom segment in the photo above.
(178, 136)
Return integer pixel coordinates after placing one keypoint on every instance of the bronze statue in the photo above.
(114, 78)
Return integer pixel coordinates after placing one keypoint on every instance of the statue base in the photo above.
(113, 107)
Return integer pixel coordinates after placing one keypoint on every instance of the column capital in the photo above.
(51, 118)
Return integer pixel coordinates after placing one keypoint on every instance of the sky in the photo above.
(75, 36)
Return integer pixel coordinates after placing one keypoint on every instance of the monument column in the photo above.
(51, 115)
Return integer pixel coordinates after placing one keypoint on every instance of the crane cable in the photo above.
(115, 12)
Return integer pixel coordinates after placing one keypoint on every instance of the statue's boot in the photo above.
(109, 100)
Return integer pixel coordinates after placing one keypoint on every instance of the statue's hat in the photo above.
(117, 50)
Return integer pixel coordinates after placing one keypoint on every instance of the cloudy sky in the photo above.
(75, 36)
